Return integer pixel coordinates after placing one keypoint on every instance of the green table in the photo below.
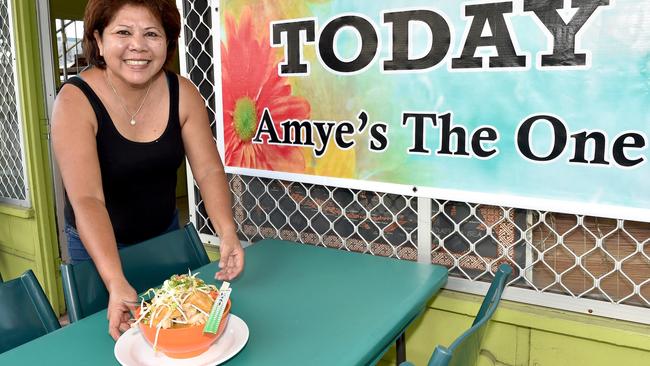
(304, 305)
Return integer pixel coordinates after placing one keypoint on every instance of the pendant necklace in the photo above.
(133, 121)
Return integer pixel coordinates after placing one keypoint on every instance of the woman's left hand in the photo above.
(231, 262)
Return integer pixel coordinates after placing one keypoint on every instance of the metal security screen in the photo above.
(361, 221)
(69, 41)
(572, 262)
(13, 182)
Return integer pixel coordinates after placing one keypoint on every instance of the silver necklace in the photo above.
(133, 121)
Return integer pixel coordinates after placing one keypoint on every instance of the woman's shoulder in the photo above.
(189, 94)
(73, 106)
(191, 103)
(186, 86)
(70, 96)
(72, 91)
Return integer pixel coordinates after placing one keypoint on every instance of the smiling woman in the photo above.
(120, 131)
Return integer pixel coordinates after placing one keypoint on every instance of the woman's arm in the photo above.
(73, 138)
(210, 176)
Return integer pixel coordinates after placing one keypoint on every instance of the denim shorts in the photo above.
(77, 251)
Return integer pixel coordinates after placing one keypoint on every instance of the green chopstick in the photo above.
(216, 313)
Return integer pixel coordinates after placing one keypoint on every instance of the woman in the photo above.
(120, 131)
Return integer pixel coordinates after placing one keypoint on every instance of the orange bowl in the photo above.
(184, 342)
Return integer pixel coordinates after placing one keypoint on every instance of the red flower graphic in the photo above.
(251, 83)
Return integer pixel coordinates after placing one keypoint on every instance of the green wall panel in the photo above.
(504, 343)
(13, 266)
(550, 349)
(17, 235)
(526, 335)
(28, 237)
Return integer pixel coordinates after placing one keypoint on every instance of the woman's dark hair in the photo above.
(100, 12)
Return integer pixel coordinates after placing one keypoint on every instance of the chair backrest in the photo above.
(145, 265)
(25, 312)
(464, 351)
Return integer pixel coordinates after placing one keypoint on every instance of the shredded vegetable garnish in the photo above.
(182, 301)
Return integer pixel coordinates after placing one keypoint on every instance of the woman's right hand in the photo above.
(118, 312)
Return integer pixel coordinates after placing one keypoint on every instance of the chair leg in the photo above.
(400, 346)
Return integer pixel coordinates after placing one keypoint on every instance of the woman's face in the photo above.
(133, 45)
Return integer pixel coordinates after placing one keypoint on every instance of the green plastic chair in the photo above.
(464, 351)
(145, 265)
(25, 312)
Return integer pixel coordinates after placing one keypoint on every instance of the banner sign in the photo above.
(540, 104)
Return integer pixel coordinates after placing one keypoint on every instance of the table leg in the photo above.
(400, 346)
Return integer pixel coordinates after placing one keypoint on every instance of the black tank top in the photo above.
(138, 178)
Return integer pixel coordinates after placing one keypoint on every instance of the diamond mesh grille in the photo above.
(361, 221)
(13, 184)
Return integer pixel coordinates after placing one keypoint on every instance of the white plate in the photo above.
(131, 349)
